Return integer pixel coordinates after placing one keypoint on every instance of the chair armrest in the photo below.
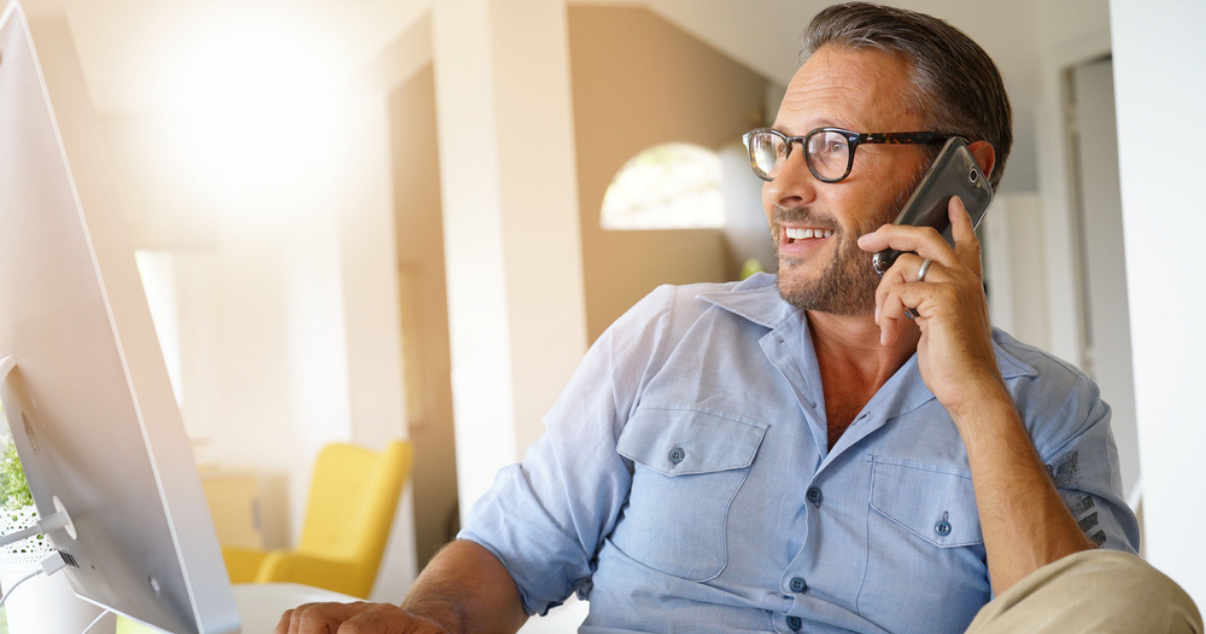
(242, 564)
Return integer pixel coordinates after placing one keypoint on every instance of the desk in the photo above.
(261, 605)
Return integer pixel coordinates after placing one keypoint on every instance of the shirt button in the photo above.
(943, 528)
(797, 585)
(794, 623)
(814, 496)
(677, 454)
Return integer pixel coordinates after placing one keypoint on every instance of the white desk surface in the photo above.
(261, 605)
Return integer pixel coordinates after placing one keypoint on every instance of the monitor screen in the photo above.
(85, 387)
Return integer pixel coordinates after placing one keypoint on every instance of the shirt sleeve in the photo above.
(1086, 471)
(546, 517)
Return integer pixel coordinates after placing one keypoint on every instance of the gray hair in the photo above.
(957, 87)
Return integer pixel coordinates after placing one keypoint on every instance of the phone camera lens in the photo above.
(973, 175)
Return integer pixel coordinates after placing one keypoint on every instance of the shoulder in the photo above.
(1056, 400)
(1025, 360)
(677, 307)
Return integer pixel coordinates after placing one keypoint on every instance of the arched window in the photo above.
(670, 186)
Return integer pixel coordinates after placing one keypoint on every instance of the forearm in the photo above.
(466, 589)
(1025, 523)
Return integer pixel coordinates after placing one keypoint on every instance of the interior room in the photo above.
(374, 220)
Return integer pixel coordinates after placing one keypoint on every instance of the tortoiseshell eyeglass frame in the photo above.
(853, 140)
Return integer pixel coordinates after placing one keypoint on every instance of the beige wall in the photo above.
(420, 236)
(638, 82)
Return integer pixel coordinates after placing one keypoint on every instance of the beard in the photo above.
(847, 284)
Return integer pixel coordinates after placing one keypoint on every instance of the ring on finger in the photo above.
(925, 268)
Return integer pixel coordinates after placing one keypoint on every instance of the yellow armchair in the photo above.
(353, 496)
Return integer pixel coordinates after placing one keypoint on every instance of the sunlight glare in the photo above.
(260, 99)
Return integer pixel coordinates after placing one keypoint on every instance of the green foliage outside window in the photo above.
(14, 488)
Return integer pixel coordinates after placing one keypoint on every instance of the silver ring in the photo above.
(925, 268)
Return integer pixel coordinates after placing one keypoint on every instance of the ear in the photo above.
(985, 156)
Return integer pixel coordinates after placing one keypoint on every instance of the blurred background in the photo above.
(361, 220)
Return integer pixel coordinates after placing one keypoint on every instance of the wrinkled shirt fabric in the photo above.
(684, 481)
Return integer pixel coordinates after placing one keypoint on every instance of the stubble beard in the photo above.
(847, 284)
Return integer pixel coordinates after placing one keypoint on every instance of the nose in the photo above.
(794, 184)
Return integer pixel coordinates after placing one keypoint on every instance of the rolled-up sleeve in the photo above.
(545, 518)
(1085, 469)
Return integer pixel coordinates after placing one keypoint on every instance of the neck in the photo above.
(851, 344)
(853, 364)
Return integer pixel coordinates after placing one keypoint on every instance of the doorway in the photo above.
(423, 300)
(1101, 257)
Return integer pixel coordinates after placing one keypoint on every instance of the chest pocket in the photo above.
(923, 533)
(933, 505)
(688, 465)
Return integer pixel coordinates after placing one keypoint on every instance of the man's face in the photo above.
(861, 91)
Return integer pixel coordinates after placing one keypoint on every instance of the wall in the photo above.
(1160, 81)
(508, 183)
(638, 82)
(424, 300)
(1069, 33)
(285, 284)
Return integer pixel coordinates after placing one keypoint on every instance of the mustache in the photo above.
(803, 216)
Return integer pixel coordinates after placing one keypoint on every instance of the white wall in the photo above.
(1160, 80)
(513, 254)
(1070, 32)
(1015, 267)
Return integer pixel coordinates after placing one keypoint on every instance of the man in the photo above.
(794, 453)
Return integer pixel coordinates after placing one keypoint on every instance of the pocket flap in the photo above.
(934, 502)
(685, 440)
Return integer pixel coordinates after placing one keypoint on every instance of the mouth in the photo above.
(792, 235)
(799, 242)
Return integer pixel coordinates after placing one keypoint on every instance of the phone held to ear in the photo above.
(954, 173)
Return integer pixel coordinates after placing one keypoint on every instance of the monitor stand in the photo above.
(53, 521)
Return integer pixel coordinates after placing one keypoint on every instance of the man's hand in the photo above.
(463, 589)
(353, 618)
(1025, 524)
(955, 352)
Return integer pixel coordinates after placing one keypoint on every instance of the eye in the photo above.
(828, 147)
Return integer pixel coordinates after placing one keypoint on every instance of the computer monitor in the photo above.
(85, 387)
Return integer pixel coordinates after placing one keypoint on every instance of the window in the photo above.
(670, 186)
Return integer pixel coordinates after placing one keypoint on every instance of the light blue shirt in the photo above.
(684, 482)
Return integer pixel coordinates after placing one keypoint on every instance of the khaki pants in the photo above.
(1093, 591)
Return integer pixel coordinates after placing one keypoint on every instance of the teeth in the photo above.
(803, 234)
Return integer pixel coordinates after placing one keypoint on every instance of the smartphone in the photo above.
(954, 173)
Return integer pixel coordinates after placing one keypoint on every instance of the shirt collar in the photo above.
(757, 299)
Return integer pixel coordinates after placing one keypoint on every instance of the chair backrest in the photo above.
(353, 496)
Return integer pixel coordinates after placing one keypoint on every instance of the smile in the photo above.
(795, 233)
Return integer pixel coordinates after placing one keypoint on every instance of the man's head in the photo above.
(956, 86)
(871, 69)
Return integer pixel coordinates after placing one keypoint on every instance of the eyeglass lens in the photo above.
(828, 153)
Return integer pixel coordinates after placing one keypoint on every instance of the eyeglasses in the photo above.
(829, 152)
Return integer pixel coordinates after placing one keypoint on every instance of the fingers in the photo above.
(967, 245)
(318, 618)
(924, 241)
(353, 618)
(899, 290)
(282, 627)
(928, 242)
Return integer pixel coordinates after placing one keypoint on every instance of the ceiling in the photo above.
(131, 50)
(127, 44)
